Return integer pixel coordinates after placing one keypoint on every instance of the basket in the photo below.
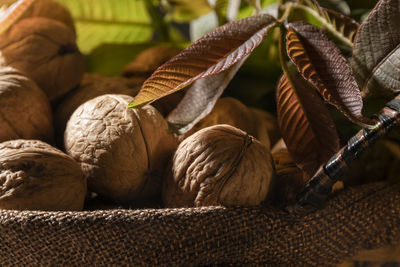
(358, 218)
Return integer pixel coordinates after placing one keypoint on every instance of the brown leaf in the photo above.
(306, 124)
(214, 53)
(320, 62)
(200, 99)
(376, 52)
(341, 26)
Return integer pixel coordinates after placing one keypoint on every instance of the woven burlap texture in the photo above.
(358, 218)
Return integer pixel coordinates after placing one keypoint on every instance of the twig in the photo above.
(319, 187)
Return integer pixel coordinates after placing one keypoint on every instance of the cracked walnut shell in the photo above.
(122, 151)
(24, 109)
(44, 50)
(37, 176)
(219, 165)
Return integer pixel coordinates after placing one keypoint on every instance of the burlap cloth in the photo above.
(358, 218)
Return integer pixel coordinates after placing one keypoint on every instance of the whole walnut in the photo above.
(231, 111)
(44, 50)
(37, 176)
(219, 165)
(24, 109)
(44, 8)
(122, 151)
(92, 85)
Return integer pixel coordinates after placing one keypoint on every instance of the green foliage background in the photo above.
(111, 34)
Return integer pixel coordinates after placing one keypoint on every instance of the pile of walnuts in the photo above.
(69, 142)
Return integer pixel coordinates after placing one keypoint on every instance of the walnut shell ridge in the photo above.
(25, 111)
(45, 50)
(92, 85)
(122, 151)
(37, 176)
(219, 165)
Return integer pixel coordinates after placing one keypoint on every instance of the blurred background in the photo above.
(112, 33)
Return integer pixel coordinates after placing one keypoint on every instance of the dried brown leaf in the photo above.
(341, 26)
(320, 62)
(214, 53)
(306, 124)
(376, 53)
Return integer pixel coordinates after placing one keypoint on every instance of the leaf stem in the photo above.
(282, 54)
(158, 22)
(288, 8)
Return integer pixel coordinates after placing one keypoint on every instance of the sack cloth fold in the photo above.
(358, 218)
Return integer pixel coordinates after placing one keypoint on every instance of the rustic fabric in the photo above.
(358, 218)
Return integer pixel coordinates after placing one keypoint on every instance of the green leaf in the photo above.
(108, 21)
(320, 62)
(267, 6)
(109, 59)
(221, 9)
(336, 5)
(340, 26)
(376, 52)
(256, 4)
(214, 53)
(187, 10)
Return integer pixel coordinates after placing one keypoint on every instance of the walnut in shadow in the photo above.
(48, 9)
(45, 50)
(149, 60)
(36, 176)
(255, 122)
(24, 109)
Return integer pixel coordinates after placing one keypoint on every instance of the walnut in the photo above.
(24, 109)
(231, 111)
(290, 179)
(149, 60)
(265, 121)
(122, 151)
(36, 176)
(219, 165)
(92, 85)
(44, 50)
(45, 8)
